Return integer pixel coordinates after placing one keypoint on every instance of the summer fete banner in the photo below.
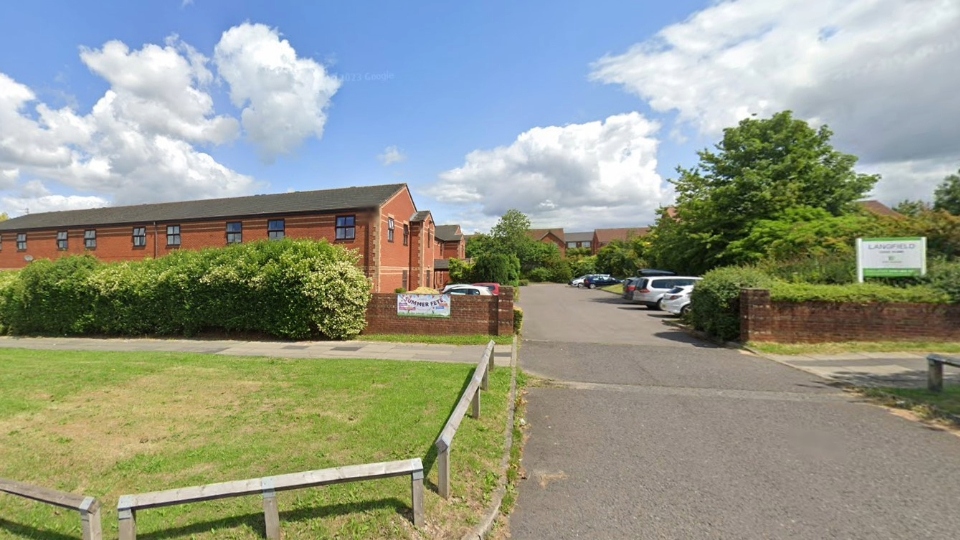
(423, 305)
(891, 257)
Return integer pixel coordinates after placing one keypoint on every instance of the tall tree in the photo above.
(947, 195)
(511, 233)
(760, 169)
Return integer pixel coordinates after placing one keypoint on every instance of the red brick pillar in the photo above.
(505, 312)
(755, 312)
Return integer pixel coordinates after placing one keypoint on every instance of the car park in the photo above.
(650, 290)
(462, 289)
(677, 300)
(593, 282)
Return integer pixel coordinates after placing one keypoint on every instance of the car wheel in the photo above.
(592, 286)
(659, 305)
(579, 285)
(685, 310)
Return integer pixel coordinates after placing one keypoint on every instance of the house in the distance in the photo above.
(602, 237)
(395, 242)
(550, 236)
(575, 240)
(453, 245)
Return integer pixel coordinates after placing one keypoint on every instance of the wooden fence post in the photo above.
(443, 469)
(271, 515)
(90, 519)
(128, 521)
(417, 489)
(476, 404)
(934, 375)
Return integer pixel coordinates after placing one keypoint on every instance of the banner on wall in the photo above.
(423, 305)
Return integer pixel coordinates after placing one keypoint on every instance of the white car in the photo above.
(677, 300)
(466, 290)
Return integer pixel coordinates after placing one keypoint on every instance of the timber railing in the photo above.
(88, 507)
(470, 398)
(268, 486)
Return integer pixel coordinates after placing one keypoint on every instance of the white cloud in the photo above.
(283, 97)
(881, 73)
(142, 141)
(580, 175)
(391, 155)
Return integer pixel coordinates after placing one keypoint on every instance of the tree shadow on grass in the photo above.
(20, 530)
(255, 521)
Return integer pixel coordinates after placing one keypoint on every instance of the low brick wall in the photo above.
(815, 322)
(492, 315)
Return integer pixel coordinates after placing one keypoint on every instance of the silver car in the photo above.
(650, 290)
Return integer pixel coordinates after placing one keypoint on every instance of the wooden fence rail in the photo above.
(469, 398)
(88, 507)
(268, 486)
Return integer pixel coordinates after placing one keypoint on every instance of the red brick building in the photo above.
(395, 241)
(452, 245)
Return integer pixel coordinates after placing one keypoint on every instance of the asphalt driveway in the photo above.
(640, 431)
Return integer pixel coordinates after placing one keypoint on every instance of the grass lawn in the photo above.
(440, 340)
(616, 288)
(107, 424)
(857, 346)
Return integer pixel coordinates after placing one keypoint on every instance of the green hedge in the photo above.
(517, 319)
(290, 289)
(856, 293)
(716, 299)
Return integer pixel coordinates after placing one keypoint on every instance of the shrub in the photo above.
(945, 277)
(540, 274)
(716, 299)
(561, 272)
(461, 272)
(400, 290)
(524, 282)
(517, 319)
(496, 268)
(856, 293)
(825, 268)
(290, 289)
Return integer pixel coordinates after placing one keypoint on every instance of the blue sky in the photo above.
(575, 113)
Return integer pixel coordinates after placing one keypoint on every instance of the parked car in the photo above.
(593, 282)
(494, 287)
(650, 290)
(677, 300)
(630, 285)
(466, 290)
(578, 282)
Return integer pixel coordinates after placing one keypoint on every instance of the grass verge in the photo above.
(437, 340)
(856, 346)
(926, 404)
(106, 424)
(616, 288)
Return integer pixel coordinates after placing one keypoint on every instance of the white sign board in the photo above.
(891, 257)
(423, 305)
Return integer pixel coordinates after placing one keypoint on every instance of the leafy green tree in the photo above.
(911, 208)
(947, 195)
(510, 234)
(760, 169)
(575, 254)
(618, 258)
(497, 268)
(586, 265)
(477, 244)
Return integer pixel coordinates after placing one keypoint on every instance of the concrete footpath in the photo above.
(889, 369)
(463, 354)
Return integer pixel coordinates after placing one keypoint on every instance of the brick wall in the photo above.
(492, 315)
(394, 256)
(813, 322)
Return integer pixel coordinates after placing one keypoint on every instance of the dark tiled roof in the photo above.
(326, 200)
(579, 236)
(448, 233)
(419, 216)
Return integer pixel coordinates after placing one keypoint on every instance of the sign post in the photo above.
(891, 257)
